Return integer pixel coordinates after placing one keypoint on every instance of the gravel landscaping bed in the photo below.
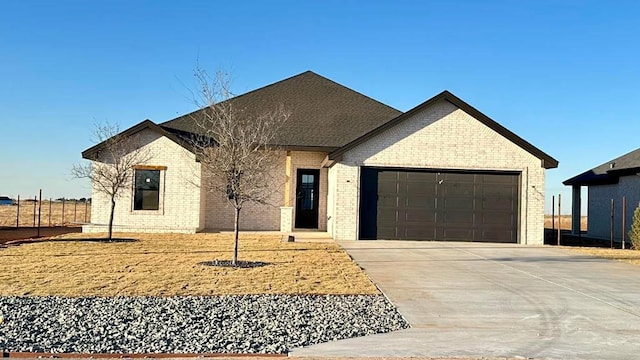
(219, 324)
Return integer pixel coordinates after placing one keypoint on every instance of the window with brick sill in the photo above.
(147, 188)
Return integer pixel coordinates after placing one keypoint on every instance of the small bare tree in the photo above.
(111, 168)
(235, 147)
(634, 232)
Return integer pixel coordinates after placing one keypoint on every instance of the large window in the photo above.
(146, 190)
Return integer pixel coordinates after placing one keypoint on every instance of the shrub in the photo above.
(634, 233)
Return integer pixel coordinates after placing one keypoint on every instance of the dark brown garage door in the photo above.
(431, 205)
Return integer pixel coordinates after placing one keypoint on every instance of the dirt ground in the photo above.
(12, 233)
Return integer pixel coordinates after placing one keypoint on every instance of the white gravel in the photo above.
(219, 324)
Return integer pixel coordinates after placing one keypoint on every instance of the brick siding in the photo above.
(438, 137)
(180, 197)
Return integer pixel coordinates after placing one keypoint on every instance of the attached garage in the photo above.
(412, 204)
(441, 171)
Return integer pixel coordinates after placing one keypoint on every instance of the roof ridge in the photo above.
(307, 72)
(357, 92)
(238, 96)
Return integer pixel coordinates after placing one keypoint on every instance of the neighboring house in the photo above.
(612, 180)
(355, 168)
(5, 200)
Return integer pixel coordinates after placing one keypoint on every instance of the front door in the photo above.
(307, 186)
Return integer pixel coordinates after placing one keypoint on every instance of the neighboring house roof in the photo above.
(547, 161)
(178, 137)
(323, 113)
(609, 172)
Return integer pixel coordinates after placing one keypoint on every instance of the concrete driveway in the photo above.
(497, 300)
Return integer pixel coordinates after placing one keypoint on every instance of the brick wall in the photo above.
(219, 214)
(331, 199)
(180, 199)
(439, 137)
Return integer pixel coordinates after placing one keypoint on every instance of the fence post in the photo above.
(553, 215)
(75, 206)
(49, 212)
(611, 227)
(62, 212)
(35, 206)
(86, 209)
(39, 211)
(559, 220)
(18, 213)
(624, 215)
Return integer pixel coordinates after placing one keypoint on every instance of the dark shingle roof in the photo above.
(609, 172)
(323, 113)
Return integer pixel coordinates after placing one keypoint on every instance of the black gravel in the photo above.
(220, 324)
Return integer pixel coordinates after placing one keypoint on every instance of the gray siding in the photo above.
(599, 212)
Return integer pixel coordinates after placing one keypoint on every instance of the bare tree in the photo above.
(235, 147)
(111, 168)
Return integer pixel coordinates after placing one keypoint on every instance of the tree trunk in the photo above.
(236, 232)
(113, 207)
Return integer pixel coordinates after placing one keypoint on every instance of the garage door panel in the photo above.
(460, 178)
(457, 234)
(419, 216)
(505, 221)
(420, 202)
(457, 190)
(497, 204)
(387, 202)
(497, 190)
(387, 217)
(461, 203)
(503, 236)
(436, 205)
(421, 190)
(497, 179)
(420, 233)
(417, 176)
(387, 234)
(389, 176)
(456, 218)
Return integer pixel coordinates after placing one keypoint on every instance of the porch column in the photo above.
(575, 210)
(287, 180)
(286, 211)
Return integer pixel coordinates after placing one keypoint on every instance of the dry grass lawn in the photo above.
(167, 264)
(628, 256)
(565, 222)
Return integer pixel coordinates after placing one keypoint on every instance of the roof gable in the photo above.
(324, 114)
(547, 161)
(175, 136)
(610, 171)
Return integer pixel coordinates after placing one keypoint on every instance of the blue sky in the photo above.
(563, 75)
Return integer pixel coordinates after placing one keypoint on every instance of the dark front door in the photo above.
(307, 186)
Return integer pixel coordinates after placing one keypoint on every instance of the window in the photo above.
(307, 191)
(146, 190)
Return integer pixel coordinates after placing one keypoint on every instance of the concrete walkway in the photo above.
(497, 300)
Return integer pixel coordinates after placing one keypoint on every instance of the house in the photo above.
(608, 182)
(5, 200)
(355, 168)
